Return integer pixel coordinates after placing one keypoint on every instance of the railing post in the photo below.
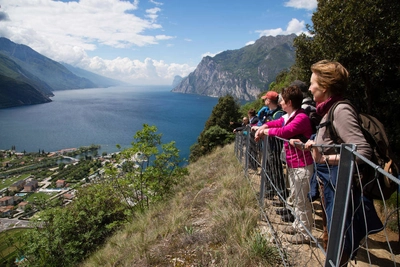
(247, 154)
(342, 196)
(236, 145)
(265, 146)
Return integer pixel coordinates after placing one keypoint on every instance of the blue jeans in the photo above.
(365, 220)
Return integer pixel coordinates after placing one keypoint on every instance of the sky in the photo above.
(146, 42)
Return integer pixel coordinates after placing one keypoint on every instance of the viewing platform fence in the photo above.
(265, 166)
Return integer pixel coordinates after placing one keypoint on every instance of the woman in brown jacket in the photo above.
(329, 82)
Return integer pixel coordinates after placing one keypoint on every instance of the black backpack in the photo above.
(375, 185)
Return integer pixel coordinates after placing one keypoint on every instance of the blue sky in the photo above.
(146, 42)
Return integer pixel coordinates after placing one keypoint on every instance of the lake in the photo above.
(106, 117)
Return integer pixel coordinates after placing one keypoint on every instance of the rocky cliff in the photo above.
(242, 73)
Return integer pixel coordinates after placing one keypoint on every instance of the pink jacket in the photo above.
(298, 124)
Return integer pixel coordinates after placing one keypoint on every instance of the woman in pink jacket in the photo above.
(295, 124)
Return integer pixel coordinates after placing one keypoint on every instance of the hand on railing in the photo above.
(260, 131)
(300, 145)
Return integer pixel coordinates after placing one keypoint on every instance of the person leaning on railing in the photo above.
(329, 81)
(293, 124)
(271, 99)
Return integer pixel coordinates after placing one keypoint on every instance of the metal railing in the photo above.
(266, 168)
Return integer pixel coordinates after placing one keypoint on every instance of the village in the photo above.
(31, 182)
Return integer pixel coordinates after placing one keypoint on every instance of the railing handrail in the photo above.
(349, 157)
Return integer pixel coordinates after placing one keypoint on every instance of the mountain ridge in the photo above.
(243, 73)
(28, 78)
(53, 73)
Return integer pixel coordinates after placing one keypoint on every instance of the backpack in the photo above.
(275, 114)
(315, 120)
(262, 115)
(269, 115)
(375, 184)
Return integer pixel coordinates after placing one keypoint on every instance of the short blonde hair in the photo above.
(331, 75)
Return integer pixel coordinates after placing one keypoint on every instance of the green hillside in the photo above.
(17, 93)
(51, 72)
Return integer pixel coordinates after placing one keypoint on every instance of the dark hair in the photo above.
(252, 112)
(294, 94)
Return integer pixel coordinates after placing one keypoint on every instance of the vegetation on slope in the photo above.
(210, 220)
(137, 178)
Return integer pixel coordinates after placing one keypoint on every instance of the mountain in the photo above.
(21, 94)
(11, 69)
(98, 80)
(243, 73)
(177, 80)
(49, 71)
(28, 77)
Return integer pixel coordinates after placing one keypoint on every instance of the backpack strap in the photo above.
(276, 112)
(329, 122)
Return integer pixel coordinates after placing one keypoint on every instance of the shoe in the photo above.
(282, 211)
(278, 204)
(287, 218)
(298, 239)
(289, 230)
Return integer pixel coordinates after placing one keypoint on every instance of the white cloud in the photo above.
(294, 26)
(86, 24)
(67, 31)
(152, 13)
(156, 3)
(163, 37)
(302, 4)
(209, 54)
(149, 71)
(250, 43)
(187, 40)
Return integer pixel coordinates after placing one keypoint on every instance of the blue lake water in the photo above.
(106, 117)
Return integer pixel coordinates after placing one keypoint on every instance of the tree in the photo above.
(61, 166)
(149, 169)
(64, 236)
(226, 110)
(217, 130)
(365, 37)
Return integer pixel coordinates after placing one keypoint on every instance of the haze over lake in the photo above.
(106, 117)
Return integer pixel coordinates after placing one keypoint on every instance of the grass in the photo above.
(211, 220)
(39, 195)
(4, 183)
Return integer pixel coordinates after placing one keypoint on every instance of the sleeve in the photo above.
(300, 125)
(276, 123)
